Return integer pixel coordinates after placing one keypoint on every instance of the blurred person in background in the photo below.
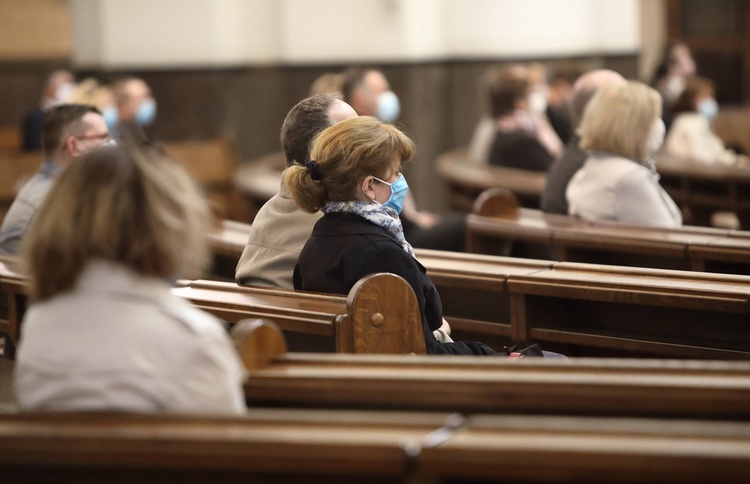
(136, 109)
(563, 169)
(89, 91)
(691, 137)
(622, 130)
(674, 70)
(69, 131)
(57, 90)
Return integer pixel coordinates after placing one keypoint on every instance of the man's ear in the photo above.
(69, 146)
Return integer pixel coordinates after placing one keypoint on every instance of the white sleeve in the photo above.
(641, 200)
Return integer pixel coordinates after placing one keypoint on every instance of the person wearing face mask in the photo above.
(521, 140)
(622, 130)
(354, 177)
(69, 131)
(691, 137)
(136, 109)
(369, 93)
(671, 77)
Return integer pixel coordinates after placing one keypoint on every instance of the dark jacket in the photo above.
(517, 149)
(560, 173)
(344, 247)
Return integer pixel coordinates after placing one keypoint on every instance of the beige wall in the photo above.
(653, 36)
(34, 30)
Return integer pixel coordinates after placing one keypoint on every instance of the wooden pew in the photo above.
(350, 446)
(701, 190)
(593, 387)
(380, 314)
(466, 179)
(494, 225)
(592, 309)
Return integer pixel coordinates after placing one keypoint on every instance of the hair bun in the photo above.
(314, 169)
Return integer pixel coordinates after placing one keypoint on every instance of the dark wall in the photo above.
(440, 104)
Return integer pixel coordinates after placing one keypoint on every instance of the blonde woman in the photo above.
(354, 177)
(104, 332)
(621, 130)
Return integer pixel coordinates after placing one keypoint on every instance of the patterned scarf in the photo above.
(383, 217)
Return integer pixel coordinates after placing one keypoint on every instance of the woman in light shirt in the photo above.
(621, 130)
(104, 333)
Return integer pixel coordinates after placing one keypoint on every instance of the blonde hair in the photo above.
(89, 91)
(344, 154)
(619, 119)
(132, 206)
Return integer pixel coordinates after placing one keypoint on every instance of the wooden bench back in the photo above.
(493, 227)
(465, 180)
(380, 314)
(348, 446)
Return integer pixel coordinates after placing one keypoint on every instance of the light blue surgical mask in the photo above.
(111, 117)
(389, 107)
(708, 108)
(146, 112)
(399, 189)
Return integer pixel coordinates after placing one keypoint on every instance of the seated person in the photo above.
(69, 130)
(368, 91)
(563, 168)
(691, 137)
(57, 89)
(622, 129)
(280, 229)
(104, 331)
(354, 177)
(675, 69)
(521, 140)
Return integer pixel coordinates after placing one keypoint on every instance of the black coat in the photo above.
(520, 150)
(344, 247)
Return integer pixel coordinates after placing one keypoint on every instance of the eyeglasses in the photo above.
(103, 136)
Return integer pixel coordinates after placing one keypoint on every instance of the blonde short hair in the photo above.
(345, 154)
(619, 118)
(132, 206)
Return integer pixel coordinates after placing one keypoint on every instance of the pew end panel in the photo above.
(385, 316)
(258, 342)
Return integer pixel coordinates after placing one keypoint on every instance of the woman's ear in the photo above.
(366, 187)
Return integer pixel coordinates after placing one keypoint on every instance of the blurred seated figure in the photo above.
(354, 177)
(328, 82)
(559, 98)
(563, 169)
(69, 131)
(57, 90)
(136, 109)
(280, 228)
(104, 333)
(89, 91)
(691, 136)
(622, 129)
(368, 91)
(523, 140)
(674, 70)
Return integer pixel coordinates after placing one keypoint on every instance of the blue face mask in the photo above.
(708, 108)
(111, 117)
(146, 112)
(399, 189)
(388, 107)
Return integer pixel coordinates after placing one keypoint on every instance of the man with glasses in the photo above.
(69, 130)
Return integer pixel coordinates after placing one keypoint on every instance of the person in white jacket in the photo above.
(622, 129)
(691, 137)
(104, 333)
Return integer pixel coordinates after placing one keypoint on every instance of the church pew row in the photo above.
(701, 189)
(595, 310)
(353, 446)
(380, 314)
(465, 180)
(579, 309)
(585, 386)
(497, 222)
